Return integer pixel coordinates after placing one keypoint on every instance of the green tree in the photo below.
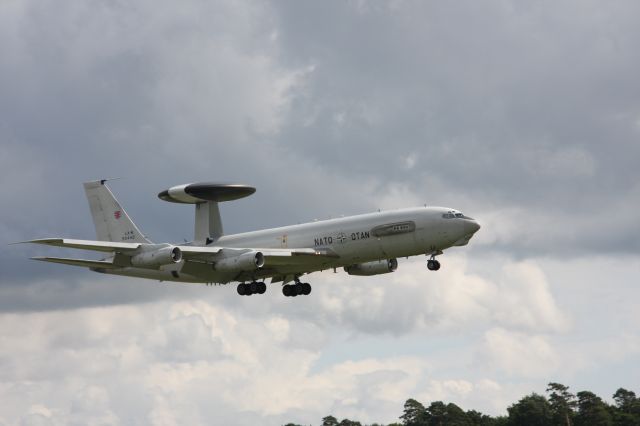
(456, 416)
(562, 403)
(347, 422)
(592, 411)
(329, 421)
(532, 410)
(478, 419)
(437, 413)
(627, 410)
(414, 414)
(624, 398)
(501, 421)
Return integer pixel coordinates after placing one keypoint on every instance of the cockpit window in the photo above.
(455, 215)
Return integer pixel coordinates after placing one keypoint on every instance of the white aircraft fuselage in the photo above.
(351, 239)
(366, 244)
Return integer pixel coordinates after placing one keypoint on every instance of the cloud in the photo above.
(165, 362)
(516, 118)
(413, 299)
(352, 349)
(520, 354)
(497, 124)
(145, 355)
(523, 116)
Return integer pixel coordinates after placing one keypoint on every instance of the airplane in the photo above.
(363, 245)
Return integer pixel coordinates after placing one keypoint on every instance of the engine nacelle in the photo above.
(163, 256)
(372, 268)
(250, 261)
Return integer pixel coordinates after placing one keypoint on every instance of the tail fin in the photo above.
(111, 221)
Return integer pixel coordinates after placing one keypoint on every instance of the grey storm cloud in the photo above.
(526, 115)
(497, 108)
(533, 106)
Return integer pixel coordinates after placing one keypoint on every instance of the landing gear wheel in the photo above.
(433, 265)
(286, 290)
(262, 287)
(253, 287)
(297, 289)
(242, 289)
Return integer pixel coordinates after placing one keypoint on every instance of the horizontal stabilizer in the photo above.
(78, 262)
(104, 246)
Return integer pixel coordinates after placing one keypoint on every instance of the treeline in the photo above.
(559, 408)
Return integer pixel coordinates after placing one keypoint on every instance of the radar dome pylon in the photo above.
(206, 196)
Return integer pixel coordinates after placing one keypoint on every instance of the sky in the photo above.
(525, 116)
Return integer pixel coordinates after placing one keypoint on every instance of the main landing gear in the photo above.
(251, 288)
(297, 289)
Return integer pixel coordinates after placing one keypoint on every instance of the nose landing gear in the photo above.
(433, 265)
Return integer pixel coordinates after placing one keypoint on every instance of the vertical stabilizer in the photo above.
(111, 221)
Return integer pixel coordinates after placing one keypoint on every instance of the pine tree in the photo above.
(414, 414)
(563, 404)
(329, 421)
(532, 410)
(627, 410)
(592, 411)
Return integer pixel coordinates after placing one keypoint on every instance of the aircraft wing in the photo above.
(277, 261)
(284, 264)
(78, 262)
(284, 257)
(189, 252)
(104, 246)
(199, 253)
(272, 256)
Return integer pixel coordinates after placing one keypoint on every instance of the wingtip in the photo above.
(43, 241)
(30, 241)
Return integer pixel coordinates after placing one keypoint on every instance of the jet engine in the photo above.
(163, 256)
(249, 261)
(372, 268)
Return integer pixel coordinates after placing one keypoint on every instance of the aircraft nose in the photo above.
(471, 226)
